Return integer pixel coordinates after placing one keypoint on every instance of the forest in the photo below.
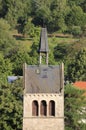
(20, 26)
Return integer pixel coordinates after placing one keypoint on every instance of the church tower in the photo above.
(43, 105)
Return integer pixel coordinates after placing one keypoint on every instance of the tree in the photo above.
(30, 30)
(75, 2)
(3, 8)
(6, 39)
(83, 5)
(75, 110)
(50, 13)
(5, 69)
(60, 52)
(75, 16)
(13, 11)
(11, 106)
(18, 56)
(66, 53)
(76, 70)
(42, 11)
(59, 10)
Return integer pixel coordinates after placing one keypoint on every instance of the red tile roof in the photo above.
(80, 84)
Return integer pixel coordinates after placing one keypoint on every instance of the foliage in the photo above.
(73, 56)
(11, 106)
(18, 56)
(30, 30)
(60, 52)
(57, 15)
(75, 30)
(6, 39)
(77, 67)
(5, 69)
(74, 108)
(76, 16)
(16, 10)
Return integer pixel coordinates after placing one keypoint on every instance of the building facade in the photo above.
(43, 93)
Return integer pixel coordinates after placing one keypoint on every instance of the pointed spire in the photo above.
(43, 46)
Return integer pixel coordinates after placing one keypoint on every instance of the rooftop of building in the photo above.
(43, 46)
(80, 84)
(43, 79)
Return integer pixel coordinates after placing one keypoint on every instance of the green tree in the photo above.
(42, 11)
(75, 2)
(14, 11)
(3, 8)
(75, 16)
(76, 69)
(6, 39)
(18, 56)
(5, 69)
(30, 30)
(34, 58)
(66, 53)
(83, 5)
(11, 106)
(60, 52)
(75, 110)
(59, 10)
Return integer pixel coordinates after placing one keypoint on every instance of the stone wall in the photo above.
(43, 124)
(47, 122)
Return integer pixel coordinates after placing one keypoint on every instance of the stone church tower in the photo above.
(43, 93)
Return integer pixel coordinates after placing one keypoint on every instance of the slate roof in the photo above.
(43, 45)
(43, 79)
(13, 78)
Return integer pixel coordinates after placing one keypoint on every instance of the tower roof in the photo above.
(43, 79)
(43, 46)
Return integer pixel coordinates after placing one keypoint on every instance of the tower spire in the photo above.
(43, 46)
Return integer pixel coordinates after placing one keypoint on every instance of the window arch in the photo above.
(52, 108)
(43, 108)
(34, 108)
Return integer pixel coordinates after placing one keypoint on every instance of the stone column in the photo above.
(47, 58)
(39, 109)
(40, 59)
(47, 109)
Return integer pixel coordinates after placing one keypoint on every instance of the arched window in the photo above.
(52, 108)
(43, 108)
(35, 108)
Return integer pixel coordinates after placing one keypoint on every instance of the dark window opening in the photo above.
(52, 108)
(35, 108)
(43, 109)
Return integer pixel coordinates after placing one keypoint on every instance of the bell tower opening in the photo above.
(34, 108)
(52, 108)
(43, 108)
